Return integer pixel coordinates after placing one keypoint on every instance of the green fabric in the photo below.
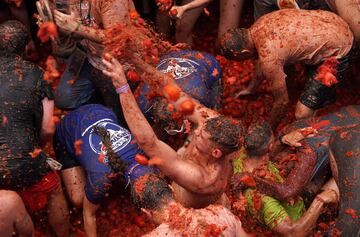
(272, 211)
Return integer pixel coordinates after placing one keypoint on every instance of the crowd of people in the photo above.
(158, 125)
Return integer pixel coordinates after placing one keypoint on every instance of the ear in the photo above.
(148, 214)
(216, 153)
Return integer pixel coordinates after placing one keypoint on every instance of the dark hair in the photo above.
(13, 37)
(257, 139)
(150, 192)
(233, 42)
(225, 132)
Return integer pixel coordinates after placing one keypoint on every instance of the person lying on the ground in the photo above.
(154, 196)
(308, 151)
(345, 160)
(291, 36)
(14, 219)
(285, 217)
(197, 74)
(90, 139)
(26, 125)
(200, 171)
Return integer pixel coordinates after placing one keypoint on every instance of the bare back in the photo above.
(288, 36)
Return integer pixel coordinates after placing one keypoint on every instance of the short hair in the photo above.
(225, 132)
(257, 139)
(150, 192)
(233, 42)
(13, 37)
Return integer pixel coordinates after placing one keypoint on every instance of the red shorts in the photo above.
(36, 196)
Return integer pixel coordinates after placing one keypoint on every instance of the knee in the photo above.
(77, 199)
(302, 111)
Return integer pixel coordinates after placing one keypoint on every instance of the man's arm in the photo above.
(294, 183)
(191, 5)
(184, 173)
(47, 123)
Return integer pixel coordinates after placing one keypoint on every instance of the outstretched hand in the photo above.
(67, 23)
(179, 10)
(114, 70)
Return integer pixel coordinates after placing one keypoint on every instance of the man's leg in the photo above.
(230, 12)
(13, 216)
(74, 181)
(58, 212)
(185, 25)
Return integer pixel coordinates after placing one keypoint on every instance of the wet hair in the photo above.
(257, 139)
(150, 192)
(233, 42)
(225, 132)
(13, 37)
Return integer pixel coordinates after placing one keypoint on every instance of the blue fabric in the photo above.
(194, 72)
(329, 123)
(79, 124)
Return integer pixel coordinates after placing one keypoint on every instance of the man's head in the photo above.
(237, 44)
(220, 136)
(151, 192)
(258, 140)
(13, 37)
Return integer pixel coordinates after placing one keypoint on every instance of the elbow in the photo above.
(146, 141)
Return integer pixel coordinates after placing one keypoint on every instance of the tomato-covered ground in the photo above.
(117, 217)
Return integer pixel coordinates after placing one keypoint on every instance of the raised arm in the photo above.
(184, 173)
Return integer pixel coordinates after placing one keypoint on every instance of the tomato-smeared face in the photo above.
(202, 141)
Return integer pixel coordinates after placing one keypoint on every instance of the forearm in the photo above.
(307, 222)
(96, 35)
(138, 125)
(195, 4)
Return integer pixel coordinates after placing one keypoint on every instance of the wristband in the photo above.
(122, 89)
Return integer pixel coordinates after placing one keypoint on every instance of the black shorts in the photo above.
(63, 157)
(17, 174)
(316, 95)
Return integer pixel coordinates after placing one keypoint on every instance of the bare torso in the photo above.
(349, 10)
(221, 170)
(289, 36)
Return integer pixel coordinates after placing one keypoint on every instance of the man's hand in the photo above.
(180, 10)
(328, 196)
(67, 23)
(114, 70)
(293, 138)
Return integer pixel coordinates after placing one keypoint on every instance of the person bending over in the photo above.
(201, 170)
(283, 217)
(26, 125)
(14, 218)
(344, 160)
(291, 36)
(154, 196)
(308, 150)
(90, 139)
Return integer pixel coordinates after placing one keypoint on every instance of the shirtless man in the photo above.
(286, 37)
(201, 170)
(156, 199)
(311, 152)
